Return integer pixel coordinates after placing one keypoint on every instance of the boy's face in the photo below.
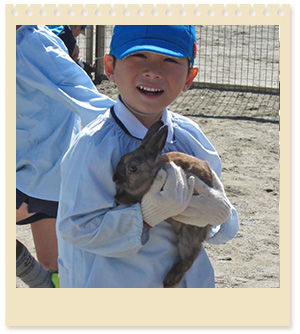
(149, 82)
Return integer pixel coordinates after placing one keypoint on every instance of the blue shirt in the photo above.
(54, 98)
(105, 245)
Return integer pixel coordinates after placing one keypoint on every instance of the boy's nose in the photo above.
(153, 72)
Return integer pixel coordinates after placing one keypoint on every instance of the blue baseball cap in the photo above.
(173, 40)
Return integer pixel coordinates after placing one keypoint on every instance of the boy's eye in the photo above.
(171, 60)
(139, 55)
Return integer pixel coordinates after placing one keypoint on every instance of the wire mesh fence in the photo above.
(238, 70)
(239, 57)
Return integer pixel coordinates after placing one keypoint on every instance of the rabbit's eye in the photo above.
(133, 169)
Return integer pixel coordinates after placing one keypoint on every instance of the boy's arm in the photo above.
(43, 63)
(88, 216)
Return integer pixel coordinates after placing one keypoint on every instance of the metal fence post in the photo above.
(100, 50)
(89, 44)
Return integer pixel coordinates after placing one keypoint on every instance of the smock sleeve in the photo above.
(222, 233)
(88, 216)
(44, 64)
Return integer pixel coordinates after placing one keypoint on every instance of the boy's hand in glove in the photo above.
(209, 207)
(169, 195)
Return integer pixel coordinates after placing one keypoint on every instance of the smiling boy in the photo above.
(102, 244)
(150, 81)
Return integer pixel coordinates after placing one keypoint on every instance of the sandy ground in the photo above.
(247, 138)
(250, 156)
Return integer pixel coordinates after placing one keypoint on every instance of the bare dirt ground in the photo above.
(250, 156)
(249, 148)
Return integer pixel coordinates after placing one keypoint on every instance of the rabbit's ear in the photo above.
(157, 142)
(153, 129)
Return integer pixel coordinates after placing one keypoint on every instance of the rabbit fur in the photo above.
(134, 175)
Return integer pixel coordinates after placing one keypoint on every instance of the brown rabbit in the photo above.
(134, 175)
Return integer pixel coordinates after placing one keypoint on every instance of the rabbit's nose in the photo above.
(117, 178)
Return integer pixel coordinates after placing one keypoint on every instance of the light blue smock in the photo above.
(105, 245)
(54, 98)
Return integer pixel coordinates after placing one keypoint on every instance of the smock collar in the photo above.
(134, 127)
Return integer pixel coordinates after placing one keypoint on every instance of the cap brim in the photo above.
(125, 52)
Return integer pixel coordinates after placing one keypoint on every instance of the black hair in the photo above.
(190, 65)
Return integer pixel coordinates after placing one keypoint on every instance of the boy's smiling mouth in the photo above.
(150, 91)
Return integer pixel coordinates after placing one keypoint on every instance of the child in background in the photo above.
(68, 34)
(102, 244)
(54, 98)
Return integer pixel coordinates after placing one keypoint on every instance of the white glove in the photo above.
(168, 196)
(209, 207)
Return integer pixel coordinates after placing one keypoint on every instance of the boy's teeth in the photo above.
(150, 89)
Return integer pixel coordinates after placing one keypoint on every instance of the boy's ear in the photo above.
(189, 80)
(109, 67)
